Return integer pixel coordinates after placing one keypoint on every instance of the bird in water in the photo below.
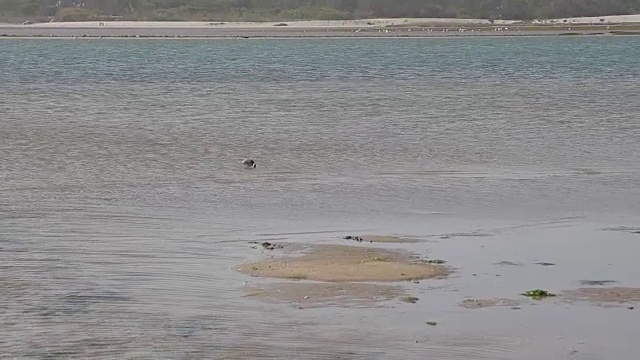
(249, 163)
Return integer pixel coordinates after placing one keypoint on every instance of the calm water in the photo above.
(124, 207)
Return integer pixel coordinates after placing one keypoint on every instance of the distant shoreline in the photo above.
(366, 28)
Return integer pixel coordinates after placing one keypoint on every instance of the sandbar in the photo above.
(340, 263)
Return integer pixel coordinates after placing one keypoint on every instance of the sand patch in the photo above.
(610, 295)
(341, 263)
(484, 303)
(15, 284)
(315, 294)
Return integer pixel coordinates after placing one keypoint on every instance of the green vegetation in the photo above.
(538, 294)
(254, 10)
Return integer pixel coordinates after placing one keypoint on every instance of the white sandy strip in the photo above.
(249, 25)
(363, 23)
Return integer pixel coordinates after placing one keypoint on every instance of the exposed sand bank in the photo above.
(605, 295)
(340, 263)
(342, 273)
(322, 294)
(347, 275)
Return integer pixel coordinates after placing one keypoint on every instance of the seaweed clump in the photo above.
(538, 294)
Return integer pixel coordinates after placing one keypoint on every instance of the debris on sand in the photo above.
(380, 239)
(409, 299)
(267, 245)
(436, 261)
(537, 294)
(355, 238)
(431, 323)
(484, 303)
(341, 263)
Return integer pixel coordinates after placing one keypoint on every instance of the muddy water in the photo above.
(124, 210)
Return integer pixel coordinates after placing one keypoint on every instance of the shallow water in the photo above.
(124, 207)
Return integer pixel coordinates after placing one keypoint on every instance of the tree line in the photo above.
(255, 10)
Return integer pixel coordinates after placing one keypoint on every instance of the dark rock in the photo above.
(409, 299)
(356, 238)
(436, 261)
(269, 246)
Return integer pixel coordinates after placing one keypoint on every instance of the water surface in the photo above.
(124, 207)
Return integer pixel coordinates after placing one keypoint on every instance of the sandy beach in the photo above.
(400, 27)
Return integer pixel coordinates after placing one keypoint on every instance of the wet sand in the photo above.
(605, 295)
(340, 272)
(484, 303)
(327, 294)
